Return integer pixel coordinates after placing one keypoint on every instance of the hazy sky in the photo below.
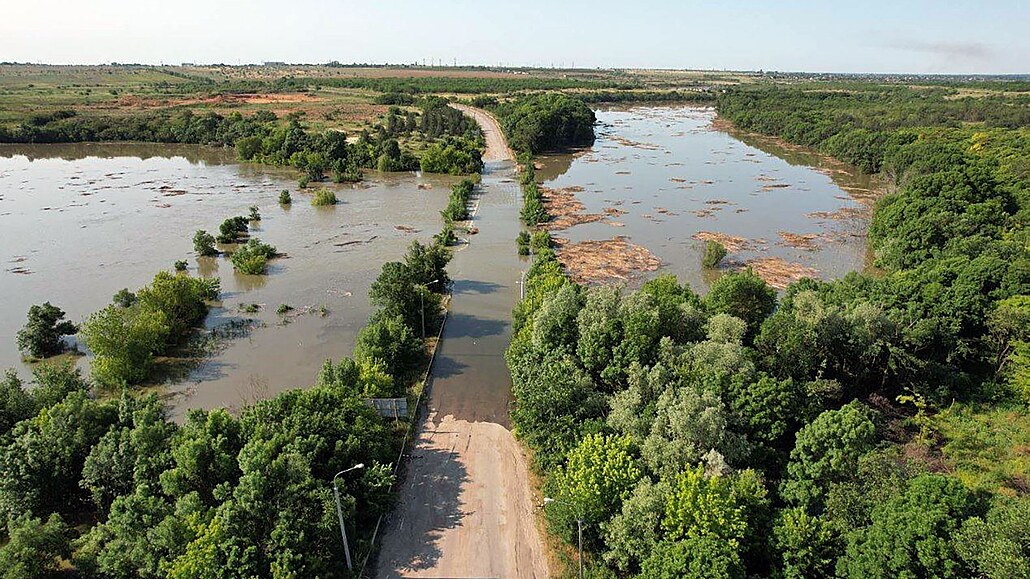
(989, 36)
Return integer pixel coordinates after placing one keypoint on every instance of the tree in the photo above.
(827, 451)
(742, 295)
(634, 533)
(41, 461)
(389, 340)
(714, 253)
(427, 265)
(41, 336)
(182, 300)
(912, 535)
(808, 546)
(123, 342)
(34, 547)
(203, 453)
(15, 403)
(995, 545)
(693, 558)
(252, 257)
(598, 476)
(204, 243)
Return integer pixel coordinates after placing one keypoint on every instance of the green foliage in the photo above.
(388, 340)
(827, 451)
(254, 215)
(912, 534)
(324, 197)
(123, 342)
(457, 204)
(285, 198)
(599, 475)
(42, 460)
(459, 157)
(742, 295)
(714, 252)
(996, 546)
(522, 242)
(34, 547)
(231, 230)
(808, 545)
(693, 558)
(252, 257)
(544, 122)
(181, 265)
(41, 336)
(124, 298)
(204, 243)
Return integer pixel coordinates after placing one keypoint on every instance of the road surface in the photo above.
(466, 508)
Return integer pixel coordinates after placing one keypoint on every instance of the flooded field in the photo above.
(80, 222)
(659, 181)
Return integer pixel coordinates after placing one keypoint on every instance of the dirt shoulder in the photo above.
(496, 146)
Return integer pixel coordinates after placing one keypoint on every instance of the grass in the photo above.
(987, 448)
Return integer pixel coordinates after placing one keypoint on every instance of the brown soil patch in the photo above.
(806, 241)
(406, 229)
(614, 211)
(773, 186)
(604, 261)
(730, 242)
(778, 272)
(565, 210)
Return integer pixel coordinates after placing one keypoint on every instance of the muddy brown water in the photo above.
(675, 175)
(80, 222)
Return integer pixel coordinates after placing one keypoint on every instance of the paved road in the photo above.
(465, 508)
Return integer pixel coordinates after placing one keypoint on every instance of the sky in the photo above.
(942, 37)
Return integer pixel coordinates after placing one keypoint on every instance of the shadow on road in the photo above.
(468, 286)
(436, 479)
(461, 325)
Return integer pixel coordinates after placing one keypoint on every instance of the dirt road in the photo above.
(465, 508)
(496, 146)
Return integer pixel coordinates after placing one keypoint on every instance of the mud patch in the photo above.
(565, 210)
(777, 272)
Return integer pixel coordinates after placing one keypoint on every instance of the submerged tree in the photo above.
(41, 336)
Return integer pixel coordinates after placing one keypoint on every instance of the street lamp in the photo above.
(339, 513)
(422, 299)
(579, 523)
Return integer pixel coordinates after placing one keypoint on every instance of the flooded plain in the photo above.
(79, 222)
(659, 181)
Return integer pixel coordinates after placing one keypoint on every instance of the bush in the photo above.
(446, 237)
(181, 265)
(252, 257)
(324, 197)
(387, 339)
(41, 336)
(231, 230)
(204, 243)
(123, 342)
(285, 198)
(254, 214)
(714, 252)
(303, 182)
(522, 241)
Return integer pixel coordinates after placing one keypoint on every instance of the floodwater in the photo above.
(675, 175)
(79, 222)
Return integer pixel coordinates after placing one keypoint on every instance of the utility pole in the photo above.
(579, 525)
(339, 514)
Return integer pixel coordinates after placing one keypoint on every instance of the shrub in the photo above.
(123, 342)
(252, 257)
(41, 336)
(283, 309)
(522, 241)
(181, 265)
(254, 214)
(285, 198)
(124, 298)
(303, 182)
(387, 339)
(714, 252)
(232, 229)
(446, 237)
(324, 197)
(204, 243)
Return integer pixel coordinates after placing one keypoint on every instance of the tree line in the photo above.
(750, 434)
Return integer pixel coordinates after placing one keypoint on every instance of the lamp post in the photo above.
(579, 524)
(339, 513)
(422, 300)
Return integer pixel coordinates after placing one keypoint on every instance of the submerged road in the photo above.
(465, 507)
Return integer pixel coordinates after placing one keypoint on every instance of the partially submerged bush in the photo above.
(181, 265)
(714, 253)
(252, 257)
(285, 198)
(232, 229)
(522, 241)
(41, 336)
(324, 197)
(204, 243)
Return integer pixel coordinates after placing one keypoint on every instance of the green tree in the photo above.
(693, 558)
(598, 476)
(635, 532)
(204, 243)
(123, 342)
(827, 451)
(995, 546)
(808, 545)
(41, 335)
(742, 295)
(714, 253)
(912, 535)
(389, 340)
(34, 547)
